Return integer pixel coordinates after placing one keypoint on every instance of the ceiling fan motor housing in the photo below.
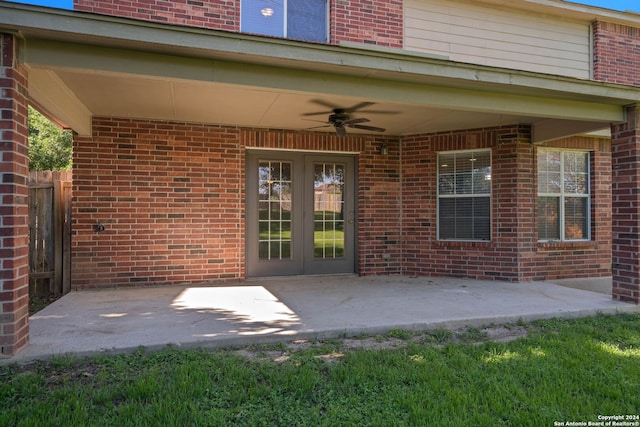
(339, 117)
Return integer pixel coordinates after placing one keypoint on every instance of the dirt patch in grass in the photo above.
(505, 333)
(333, 350)
(374, 343)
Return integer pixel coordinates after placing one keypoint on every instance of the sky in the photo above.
(624, 5)
(629, 5)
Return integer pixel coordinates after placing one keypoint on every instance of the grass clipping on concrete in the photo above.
(539, 374)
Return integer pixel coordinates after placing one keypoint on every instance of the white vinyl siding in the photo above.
(473, 33)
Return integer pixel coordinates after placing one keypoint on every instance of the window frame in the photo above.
(285, 24)
(562, 196)
(439, 196)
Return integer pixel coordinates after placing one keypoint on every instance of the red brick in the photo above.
(14, 309)
(214, 14)
(616, 57)
(625, 208)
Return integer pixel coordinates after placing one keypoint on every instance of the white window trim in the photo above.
(446, 196)
(561, 196)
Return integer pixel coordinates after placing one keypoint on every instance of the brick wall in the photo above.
(170, 197)
(616, 53)
(379, 23)
(514, 253)
(513, 180)
(626, 208)
(14, 192)
(365, 21)
(379, 204)
(213, 14)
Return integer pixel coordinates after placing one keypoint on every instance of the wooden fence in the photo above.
(49, 233)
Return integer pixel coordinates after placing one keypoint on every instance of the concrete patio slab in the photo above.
(601, 284)
(259, 311)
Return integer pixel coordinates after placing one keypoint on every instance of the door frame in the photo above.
(302, 261)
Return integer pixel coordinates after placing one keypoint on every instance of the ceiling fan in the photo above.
(340, 118)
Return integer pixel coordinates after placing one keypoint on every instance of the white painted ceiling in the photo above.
(203, 102)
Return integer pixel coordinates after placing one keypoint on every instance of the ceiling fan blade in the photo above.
(358, 107)
(319, 113)
(379, 112)
(355, 121)
(341, 131)
(318, 127)
(326, 104)
(371, 128)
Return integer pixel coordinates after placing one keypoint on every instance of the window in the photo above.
(464, 195)
(294, 19)
(563, 195)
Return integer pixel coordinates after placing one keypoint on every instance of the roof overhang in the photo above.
(570, 9)
(84, 65)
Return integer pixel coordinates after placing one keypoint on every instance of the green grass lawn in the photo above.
(557, 371)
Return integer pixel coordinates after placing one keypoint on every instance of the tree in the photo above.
(49, 146)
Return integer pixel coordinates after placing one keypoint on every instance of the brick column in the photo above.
(625, 161)
(14, 192)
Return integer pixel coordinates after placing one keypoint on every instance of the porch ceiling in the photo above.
(84, 65)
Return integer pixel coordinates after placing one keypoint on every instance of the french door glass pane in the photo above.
(274, 210)
(328, 210)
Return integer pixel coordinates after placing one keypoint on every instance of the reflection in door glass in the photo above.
(328, 207)
(274, 210)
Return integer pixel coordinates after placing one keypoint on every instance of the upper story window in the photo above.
(464, 195)
(563, 195)
(293, 19)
